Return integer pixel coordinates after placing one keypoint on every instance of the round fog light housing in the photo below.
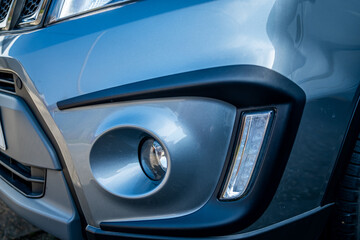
(153, 159)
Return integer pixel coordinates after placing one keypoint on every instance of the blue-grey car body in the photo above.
(147, 39)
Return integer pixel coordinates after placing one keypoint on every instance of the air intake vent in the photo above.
(32, 12)
(4, 9)
(7, 82)
(28, 180)
(30, 8)
(15, 14)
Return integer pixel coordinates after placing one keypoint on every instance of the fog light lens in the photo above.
(252, 135)
(153, 159)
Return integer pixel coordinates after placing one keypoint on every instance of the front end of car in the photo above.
(169, 119)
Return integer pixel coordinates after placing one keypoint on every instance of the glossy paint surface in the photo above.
(22, 131)
(314, 43)
(105, 150)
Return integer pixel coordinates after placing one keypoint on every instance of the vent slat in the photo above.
(28, 180)
(20, 173)
(6, 76)
(7, 82)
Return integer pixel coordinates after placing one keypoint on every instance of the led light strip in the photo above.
(253, 134)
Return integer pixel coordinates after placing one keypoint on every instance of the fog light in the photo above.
(252, 135)
(153, 159)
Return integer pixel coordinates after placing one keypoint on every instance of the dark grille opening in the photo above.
(28, 180)
(7, 82)
(4, 9)
(30, 8)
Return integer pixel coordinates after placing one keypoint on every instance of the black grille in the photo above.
(7, 82)
(30, 8)
(4, 9)
(28, 180)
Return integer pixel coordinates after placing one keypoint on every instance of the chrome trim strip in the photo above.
(5, 24)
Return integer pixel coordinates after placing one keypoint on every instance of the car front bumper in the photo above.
(80, 56)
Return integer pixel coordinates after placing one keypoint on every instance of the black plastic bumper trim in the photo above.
(308, 225)
(222, 83)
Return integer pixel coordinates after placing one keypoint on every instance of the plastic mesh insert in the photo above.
(30, 7)
(4, 9)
